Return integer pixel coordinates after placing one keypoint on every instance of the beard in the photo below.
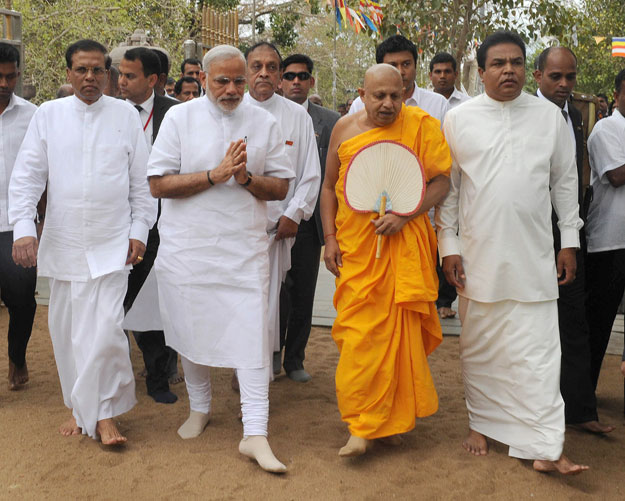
(225, 104)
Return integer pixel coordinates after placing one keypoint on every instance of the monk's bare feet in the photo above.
(109, 434)
(355, 446)
(563, 465)
(393, 440)
(69, 428)
(445, 312)
(17, 377)
(594, 427)
(475, 443)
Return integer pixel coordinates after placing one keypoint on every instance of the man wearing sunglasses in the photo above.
(298, 291)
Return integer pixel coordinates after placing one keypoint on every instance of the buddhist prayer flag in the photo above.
(618, 46)
(369, 15)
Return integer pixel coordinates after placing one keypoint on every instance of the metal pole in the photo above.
(334, 62)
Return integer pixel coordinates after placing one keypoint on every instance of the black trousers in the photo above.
(156, 355)
(297, 295)
(605, 278)
(17, 290)
(576, 386)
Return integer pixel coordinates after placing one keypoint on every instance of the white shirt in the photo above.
(214, 245)
(506, 156)
(605, 228)
(147, 118)
(301, 148)
(93, 158)
(14, 121)
(430, 102)
(457, 97)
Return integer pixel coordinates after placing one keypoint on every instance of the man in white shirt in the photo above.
(139, 71)
(513, 157)
(215, 163)
(400, 52)
(17, 284)
(556, 75)
(443, 74)
(90, 151)
(264, 65)
(606, 226)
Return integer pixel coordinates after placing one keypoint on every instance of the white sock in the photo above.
(194, 425)
(256, 447)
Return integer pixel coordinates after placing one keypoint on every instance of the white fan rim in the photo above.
(364, 211)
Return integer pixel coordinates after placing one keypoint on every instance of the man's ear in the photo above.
(361, 93)
(538, 75)
(153, 80)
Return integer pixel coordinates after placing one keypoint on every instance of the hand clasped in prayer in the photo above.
(233, 164)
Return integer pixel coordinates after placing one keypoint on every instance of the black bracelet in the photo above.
(208, 175)
(249, 179)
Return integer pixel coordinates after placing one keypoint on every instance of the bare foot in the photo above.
(109, 434)
(445, 312)
(563, 465)
(177, 378)
(17, 377)
(355, 446)
(393, 440)
(69, 428)
(475, 443)
(594, 427)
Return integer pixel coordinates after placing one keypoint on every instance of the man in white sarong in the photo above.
(508, 150)
(90, 151)
(298, 134)
(215, 162)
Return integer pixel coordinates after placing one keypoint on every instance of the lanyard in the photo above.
(149, 118)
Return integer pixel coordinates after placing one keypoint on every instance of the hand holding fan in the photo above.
(382, 177)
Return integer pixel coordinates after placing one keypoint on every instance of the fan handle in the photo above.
(379, 240)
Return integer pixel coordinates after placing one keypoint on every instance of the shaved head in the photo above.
(382, 94)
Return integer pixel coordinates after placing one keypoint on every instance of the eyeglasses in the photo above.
(222, 81)
(83, 70)
(302, 75)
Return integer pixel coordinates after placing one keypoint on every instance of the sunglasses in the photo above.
(302, 75)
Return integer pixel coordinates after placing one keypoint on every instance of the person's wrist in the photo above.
(208, 176)
(248, 181)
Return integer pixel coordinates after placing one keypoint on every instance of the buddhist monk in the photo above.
(386, 322)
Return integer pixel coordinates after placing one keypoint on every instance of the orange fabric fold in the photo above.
(387, 323)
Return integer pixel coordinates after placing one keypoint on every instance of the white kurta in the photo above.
(301, 147)
(93, 158)
(212, 264)
(497, 216)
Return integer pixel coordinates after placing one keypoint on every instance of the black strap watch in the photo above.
(249, 179)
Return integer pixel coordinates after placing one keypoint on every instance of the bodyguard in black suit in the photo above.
(298, 291)
(556, 74)
(139, 72)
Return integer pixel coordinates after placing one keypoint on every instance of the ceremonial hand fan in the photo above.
(384, 176)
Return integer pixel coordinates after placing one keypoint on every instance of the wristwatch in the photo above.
(249, 179)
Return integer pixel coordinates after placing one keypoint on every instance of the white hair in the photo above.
(221, 53)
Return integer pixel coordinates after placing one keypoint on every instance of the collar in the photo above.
(267, 103)
(13, 102)
(147, 105)
(81, 105)
(504, 104)
(415, 95)
(617, 115)
(456, 94)
(305, 104)
(542, 96)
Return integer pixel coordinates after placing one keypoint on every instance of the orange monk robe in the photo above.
(387, 323)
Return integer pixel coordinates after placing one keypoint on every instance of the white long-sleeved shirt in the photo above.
(506, 156)
(14, 122)
(457, 97)
(430, 102)
(301, 148)
(94, 160)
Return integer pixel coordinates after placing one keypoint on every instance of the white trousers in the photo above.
(91, 349)
(254, 388)
(510, 353)
(279, 264)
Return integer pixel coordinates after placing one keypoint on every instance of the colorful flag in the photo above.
(618, 46)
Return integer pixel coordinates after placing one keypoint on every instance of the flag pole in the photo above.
(334, 60)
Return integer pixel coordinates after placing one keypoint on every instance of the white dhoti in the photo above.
(91, 349)
(510, 353)
(254, 388)
(279, 265)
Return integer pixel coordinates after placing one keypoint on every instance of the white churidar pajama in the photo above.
(212, 265)
(497, 216)
(298, 135)
(93, 159)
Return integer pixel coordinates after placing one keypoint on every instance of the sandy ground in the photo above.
(305, 432)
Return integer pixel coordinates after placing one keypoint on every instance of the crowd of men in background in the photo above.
(88, 254)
